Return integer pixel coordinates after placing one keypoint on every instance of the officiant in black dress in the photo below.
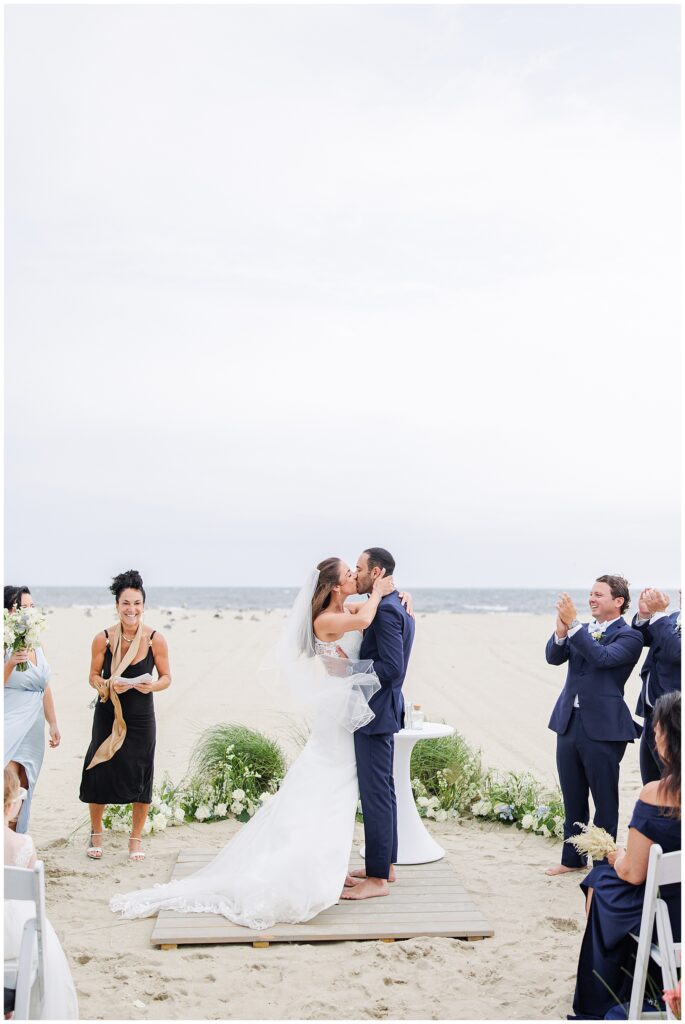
(119, 763)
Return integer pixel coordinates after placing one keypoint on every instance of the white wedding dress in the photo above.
(288, 863)
(59, 1001)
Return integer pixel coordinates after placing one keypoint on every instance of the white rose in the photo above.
(527, 821)
(430, 812)
(203, 812)
(179, 814)
(422, 801)
(237, 807)
(220, 810)
(238, 794)
(263, 797)
(544, 831)
(441, 815)
(159, 821)
(434, 801)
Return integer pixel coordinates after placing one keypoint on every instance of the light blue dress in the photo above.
(25, 724)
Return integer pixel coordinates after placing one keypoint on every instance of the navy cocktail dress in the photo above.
(615, 912)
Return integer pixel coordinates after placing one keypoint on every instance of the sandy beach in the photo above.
(484, 674)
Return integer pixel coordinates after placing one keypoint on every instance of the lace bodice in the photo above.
(21, 852)
(349, 642)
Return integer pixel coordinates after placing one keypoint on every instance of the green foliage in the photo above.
(232, 769)
(446, 774)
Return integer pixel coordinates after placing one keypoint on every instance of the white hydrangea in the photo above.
(263, 797)
(220, 811)
(527, 821)
(237, 807)
(203, 812)
(422, 801)
(159, 821)
(179, 814)
(147, 827)
(481, 808)
(441, 815)
(238, 794)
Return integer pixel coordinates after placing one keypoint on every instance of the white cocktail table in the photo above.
(414, 844)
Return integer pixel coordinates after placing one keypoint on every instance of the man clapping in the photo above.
(661, 669)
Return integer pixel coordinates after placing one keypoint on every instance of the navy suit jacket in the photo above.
(388, 641)
(662, 663)
(597, 672)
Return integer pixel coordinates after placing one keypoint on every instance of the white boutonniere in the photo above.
(598, 634)
(678, 625)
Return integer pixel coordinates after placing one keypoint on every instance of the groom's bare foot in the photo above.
(359, 875)
(366, 889)
(560, 869)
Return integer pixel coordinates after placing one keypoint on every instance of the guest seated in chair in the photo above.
(59, 1000)
(615, 889)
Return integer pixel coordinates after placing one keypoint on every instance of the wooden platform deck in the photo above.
(427, 900)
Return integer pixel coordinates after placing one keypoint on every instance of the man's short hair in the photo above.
(618, 585)
(381, 559)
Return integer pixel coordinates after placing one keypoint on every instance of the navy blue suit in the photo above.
(591, 739)
(662, 668)
(387, 642)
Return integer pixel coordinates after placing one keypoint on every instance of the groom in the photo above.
(387, 642)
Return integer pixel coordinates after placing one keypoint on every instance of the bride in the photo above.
(289, 862)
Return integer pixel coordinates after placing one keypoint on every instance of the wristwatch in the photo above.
(576, 622)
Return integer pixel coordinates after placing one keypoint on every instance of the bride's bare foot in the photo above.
(359, 874)
(366, 889)
(560, 869)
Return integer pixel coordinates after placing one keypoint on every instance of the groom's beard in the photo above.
(363, 588)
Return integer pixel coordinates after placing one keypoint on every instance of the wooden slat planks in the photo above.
(428, 899)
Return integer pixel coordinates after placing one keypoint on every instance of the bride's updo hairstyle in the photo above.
(329, 577)
(129, 580)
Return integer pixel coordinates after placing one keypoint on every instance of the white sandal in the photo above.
(94, 852)
(136, 855)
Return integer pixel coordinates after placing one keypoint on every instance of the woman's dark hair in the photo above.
(618, 585)
(666, 715)
(129, 580)
(329, 577)
(13, 596)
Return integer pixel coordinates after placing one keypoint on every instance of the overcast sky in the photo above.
(285, 282)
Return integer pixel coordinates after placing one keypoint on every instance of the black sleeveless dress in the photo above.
(127, 777)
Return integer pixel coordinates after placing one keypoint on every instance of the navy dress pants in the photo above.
(587, 766)
(650, 762)
(374, 753)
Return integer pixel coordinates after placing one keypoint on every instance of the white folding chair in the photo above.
(28, 969)
(663, 869)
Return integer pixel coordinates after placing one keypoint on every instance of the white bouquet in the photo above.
(23, 628)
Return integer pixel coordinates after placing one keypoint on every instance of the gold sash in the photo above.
(116, 738)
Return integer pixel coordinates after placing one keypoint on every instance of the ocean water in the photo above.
(464, 600)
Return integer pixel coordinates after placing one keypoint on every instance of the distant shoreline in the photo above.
(428, 600)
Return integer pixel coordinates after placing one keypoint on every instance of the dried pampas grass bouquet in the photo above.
(593, 841)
